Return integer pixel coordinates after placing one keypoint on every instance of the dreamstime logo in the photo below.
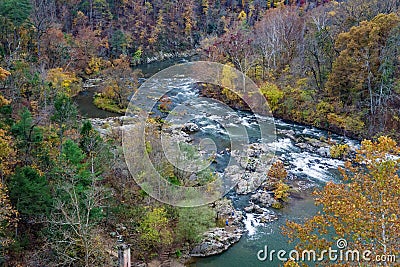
(330, 254)
(176, 84)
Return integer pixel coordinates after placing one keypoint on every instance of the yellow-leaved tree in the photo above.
(7, 149)
(364, 209)
(7, 154)
(64, 82)
(8, 218)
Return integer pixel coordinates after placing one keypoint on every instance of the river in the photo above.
(308, 167)
(84, 99)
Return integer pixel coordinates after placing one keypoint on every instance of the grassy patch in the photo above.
(107, 104)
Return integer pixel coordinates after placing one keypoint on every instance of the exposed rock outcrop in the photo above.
(225, 209)
(253, 163)
(216, 241)
(263, 199)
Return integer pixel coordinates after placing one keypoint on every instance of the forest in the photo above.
(65, 192)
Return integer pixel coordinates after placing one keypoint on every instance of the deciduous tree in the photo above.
(364, 209)
(3, 74)
(278, 36)
(121, 82)
(194, 221)
(237, 46)
(8, 218)
(154, 230)
(7, 154)
(356, 77)
(77, 210)
(319, 49)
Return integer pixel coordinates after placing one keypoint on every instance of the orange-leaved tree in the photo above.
(3, 73)
(364, 209)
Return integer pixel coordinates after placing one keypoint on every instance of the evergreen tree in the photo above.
(30, 192)
(65, 112)
(28, 135)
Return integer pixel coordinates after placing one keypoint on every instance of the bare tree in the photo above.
(319, 50)
(74, 222)
(278, 35)
(42, 15)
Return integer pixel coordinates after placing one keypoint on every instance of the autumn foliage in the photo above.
(364, 209)
(277, 171)
(3, 73)
(277, 174)
(8, 216)
(330, 64)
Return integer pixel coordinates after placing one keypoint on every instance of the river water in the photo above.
(84, 99)
(310, 168)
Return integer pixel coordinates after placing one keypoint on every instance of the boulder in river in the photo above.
(252, 163)
(216, 241)
(225, 209)
(263, 199)
(268, 217)
(190, 127)
(249, 209)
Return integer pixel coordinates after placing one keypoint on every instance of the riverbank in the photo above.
(162, 56)
(92, 104)
(217, 93)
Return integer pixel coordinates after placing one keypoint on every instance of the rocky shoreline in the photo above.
(161, 56)
(219, 239)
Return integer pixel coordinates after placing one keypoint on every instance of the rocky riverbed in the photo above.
(254, 161)
(305, 152)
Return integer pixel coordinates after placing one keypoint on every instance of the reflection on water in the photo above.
(84, 99)
(86, 107)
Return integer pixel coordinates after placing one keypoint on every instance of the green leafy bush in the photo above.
(273, 94)
(339, 151)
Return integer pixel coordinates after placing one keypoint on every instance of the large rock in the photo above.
(249, 181)
(251, 166)
(216, 241)
(263, 199)
(224, 208)
(253, 208)
(288, 133)
(268, 217)
(190, 127)
(243, 187)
